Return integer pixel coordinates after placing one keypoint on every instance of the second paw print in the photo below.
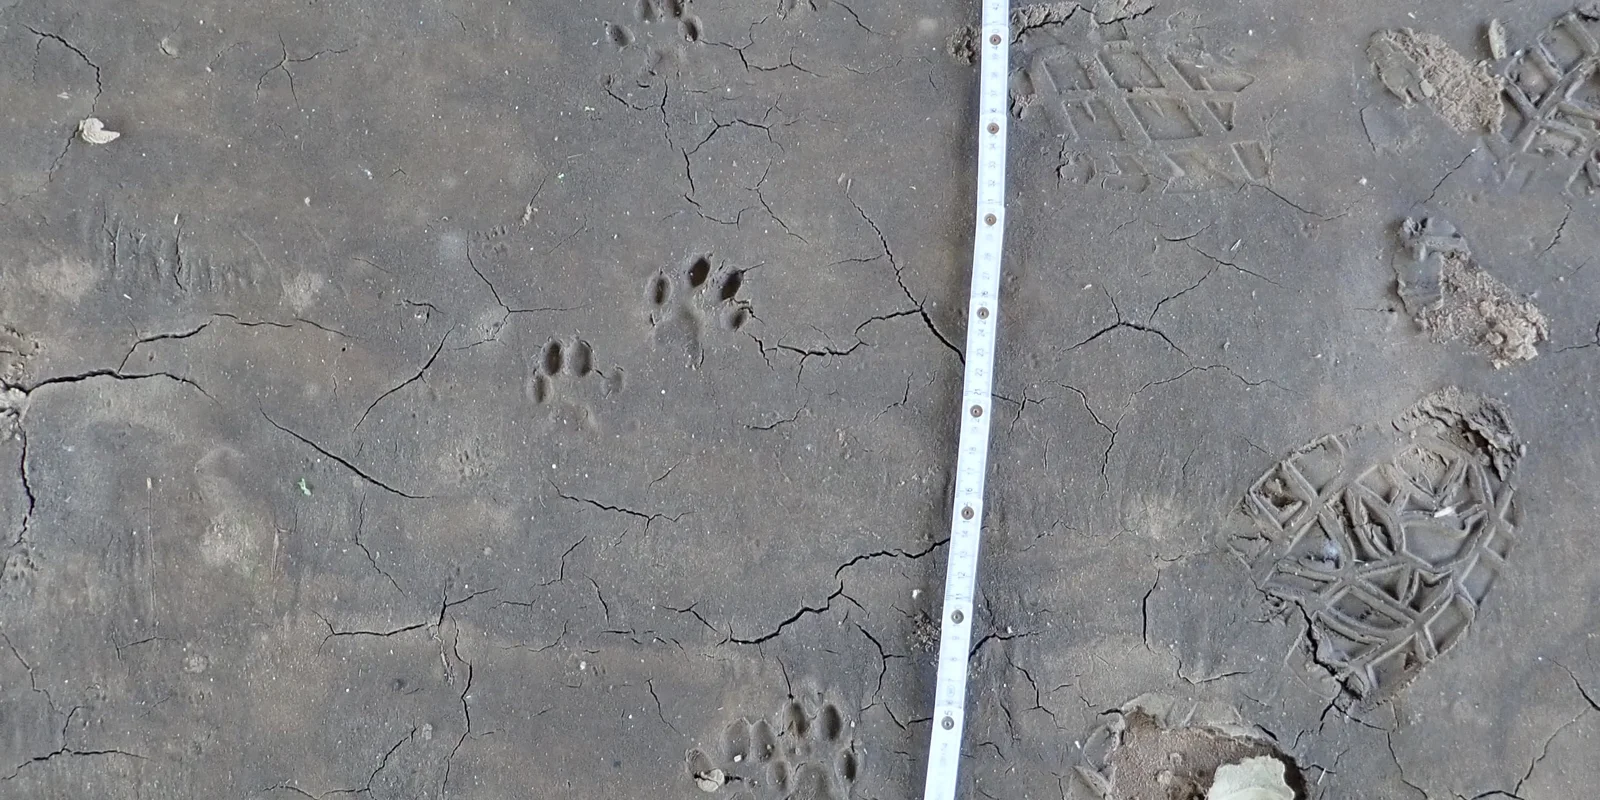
(655, 46)
(565, 371)
(653, 14)
(806, 750)
(681, 298)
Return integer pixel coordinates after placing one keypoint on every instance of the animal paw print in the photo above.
(16, 350)
(656, 13)
(471, 461)
(18, 572)
(558, 362)
(680, 299)
(809, 753)
(658, 40)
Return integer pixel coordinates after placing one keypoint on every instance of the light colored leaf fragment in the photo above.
(710, 780)
(93, 131)
(1258, 778)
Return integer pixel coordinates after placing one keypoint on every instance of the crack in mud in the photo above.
(326, 453)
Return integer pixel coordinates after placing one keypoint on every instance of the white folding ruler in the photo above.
(972, 457)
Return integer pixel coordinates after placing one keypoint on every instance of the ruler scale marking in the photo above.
(972, 453)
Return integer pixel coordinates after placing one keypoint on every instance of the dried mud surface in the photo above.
(425, 398)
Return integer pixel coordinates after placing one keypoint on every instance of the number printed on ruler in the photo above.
(972, 453)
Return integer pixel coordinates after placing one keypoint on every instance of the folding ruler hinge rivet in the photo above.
(994, 127)
(994, 38)
(956, 616)
(983, 313)
(977, 411)
(947, 723)
(990, 219)
(967, 513)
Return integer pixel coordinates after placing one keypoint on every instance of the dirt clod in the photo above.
(1454, 299)
(1163, 748)
(963, 44)
(1423, 67)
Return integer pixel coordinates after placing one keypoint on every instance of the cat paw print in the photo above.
(658, 22)
(681, 298)
(563, 373)
(805, 751)
(656, 42)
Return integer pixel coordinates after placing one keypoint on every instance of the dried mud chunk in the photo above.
(963, 45)
(1454, 299)
(1421, 67)
(1164, 747)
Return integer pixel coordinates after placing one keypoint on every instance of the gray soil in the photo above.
(423, 398)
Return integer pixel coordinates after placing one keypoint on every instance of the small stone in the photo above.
(93, 131)
(1497, 39)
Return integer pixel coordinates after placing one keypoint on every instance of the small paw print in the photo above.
(654, 45)
(469, 461)
(568, 366)
(808, 753)
(21, 566)
(652, 17)
(16, 350)
(680, 299)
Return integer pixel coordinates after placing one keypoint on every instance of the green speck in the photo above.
(305, 488)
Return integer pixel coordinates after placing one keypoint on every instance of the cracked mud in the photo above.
(452, 400)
